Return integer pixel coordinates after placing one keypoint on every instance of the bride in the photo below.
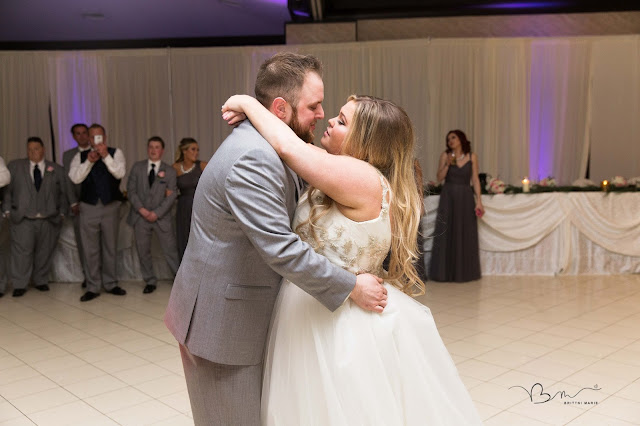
(352, 367)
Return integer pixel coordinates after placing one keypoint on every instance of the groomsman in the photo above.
(5, 178)
(35, 202)
(80, 133)
(152, 190)
(99, 171)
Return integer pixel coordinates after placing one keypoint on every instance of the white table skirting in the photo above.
(571, 233)
(574, 233)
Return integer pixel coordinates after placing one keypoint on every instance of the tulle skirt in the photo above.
(353, 367)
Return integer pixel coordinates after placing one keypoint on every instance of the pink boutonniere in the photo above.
(50, 168)
(161, 174)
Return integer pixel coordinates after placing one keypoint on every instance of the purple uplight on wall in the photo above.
(547, 107)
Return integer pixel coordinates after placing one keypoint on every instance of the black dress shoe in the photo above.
(118, 291)
(149, 288)
(43, 287)
(89, 296)
(18, 292)
(1, 294)
(84, 284)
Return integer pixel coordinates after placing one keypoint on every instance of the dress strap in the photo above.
(385, 190)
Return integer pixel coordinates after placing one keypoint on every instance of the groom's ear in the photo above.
(281, 109)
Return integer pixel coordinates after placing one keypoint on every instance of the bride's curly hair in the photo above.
(382, 135)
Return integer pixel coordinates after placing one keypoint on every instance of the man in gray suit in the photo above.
(5, 179)
(152, 190)
(80, 133)
(242, 245)
(35, 202)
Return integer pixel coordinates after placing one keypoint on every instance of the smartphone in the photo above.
(97, 139)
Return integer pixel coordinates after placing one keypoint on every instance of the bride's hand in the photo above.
(233, 109)
(233, 117)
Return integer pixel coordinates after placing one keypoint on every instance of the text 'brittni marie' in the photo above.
(537, 395)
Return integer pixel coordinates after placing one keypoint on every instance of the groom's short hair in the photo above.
(283, 76)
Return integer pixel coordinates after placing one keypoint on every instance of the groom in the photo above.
(242, 245)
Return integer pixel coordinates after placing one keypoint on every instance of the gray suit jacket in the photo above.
(152, 198)
(73, 190)
(240, 246)
(22, 199)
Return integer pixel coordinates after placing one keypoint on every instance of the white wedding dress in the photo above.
(352, 367)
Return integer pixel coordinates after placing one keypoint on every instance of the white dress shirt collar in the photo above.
(32, 166)
(157, 163)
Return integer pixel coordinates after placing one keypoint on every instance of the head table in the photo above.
(590, 233)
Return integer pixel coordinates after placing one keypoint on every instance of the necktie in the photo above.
(37, 177)
(152, 174)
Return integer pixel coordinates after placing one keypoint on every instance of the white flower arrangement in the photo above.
(496, 186)
(634, 181)
(619, 181)
(548, 181)
(583, 183)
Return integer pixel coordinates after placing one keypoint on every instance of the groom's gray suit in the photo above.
(240, 247)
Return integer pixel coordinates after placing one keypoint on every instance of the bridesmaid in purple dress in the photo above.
(188, 169)
(455, 254)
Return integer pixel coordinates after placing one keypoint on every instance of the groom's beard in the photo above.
(304, 134)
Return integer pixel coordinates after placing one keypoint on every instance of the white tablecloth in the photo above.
(523, 234)
(554, 233)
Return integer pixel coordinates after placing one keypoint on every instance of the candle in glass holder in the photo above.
(605, 185)
(525, 185)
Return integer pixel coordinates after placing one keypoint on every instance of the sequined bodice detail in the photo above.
(355, 246)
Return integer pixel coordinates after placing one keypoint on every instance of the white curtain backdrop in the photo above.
(24, 103)
(615, 107)
(531, 107)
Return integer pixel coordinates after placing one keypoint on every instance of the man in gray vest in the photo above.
(80, 133)
(35, 202)
(99, 171)
(152, 190)
(241, 245)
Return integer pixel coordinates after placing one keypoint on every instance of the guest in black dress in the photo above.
(455, 254)
(188, 169)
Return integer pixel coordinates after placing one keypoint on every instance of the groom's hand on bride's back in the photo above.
(369, 293)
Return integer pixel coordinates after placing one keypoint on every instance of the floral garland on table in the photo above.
(548, 184)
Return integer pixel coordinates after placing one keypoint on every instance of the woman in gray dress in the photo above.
(455, 254)
(188, 169)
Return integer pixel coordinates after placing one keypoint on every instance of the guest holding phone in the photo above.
(188, 169)
(455, 254)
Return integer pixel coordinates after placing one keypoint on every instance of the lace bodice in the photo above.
(355, 246)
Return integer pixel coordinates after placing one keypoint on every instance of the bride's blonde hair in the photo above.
(382, 135)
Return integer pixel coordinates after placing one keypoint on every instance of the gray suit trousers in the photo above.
(77, 233)
(143, 231)
(32, 245)
(99, 233)
(222, 394)
(5, 253)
